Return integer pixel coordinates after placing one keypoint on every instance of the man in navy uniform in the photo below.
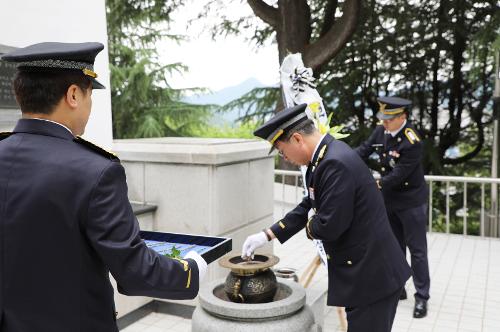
(397, 148)
(65, 219)
(366, 268)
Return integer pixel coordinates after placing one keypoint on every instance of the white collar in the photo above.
(55, 123)
(395, 132)
(317, 146)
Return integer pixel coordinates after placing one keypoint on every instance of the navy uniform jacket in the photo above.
(65, 223)
(365, 262)
(402, 178)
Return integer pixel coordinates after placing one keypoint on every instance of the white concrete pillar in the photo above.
(25, 22)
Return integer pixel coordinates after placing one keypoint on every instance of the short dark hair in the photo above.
(41, 91)
(305, 128)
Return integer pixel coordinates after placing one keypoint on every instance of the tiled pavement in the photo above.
(465, 288)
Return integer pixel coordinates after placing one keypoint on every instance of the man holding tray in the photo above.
(366, 268)
(65, 219)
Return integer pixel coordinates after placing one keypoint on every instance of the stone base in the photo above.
(288, 313)
(316, 300)
(301, 321)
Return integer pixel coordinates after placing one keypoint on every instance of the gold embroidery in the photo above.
(189, 279)
(89, 72)
(393, 111)
(278, 134)
(95, 147)
(308, 229)
(382, 106)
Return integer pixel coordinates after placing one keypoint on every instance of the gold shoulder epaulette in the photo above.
(411, 136)
(4, 135)
(96, 148)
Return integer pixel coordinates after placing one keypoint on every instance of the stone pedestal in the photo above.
(219, 187)
(26, 22)
(288, 312)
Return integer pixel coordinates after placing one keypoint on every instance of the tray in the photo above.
(209, 247)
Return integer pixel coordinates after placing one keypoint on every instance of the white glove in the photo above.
(202, 265)
(253, 242)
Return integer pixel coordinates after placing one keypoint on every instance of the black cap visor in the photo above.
(96, 84)
(273, 147)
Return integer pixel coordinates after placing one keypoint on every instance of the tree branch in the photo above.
(329, 18)
(476, 114)
(321, 51)
(267, 13)
(471, 154)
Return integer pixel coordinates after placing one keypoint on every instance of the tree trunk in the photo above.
(452, 134)
(291, 20)
(435, 80)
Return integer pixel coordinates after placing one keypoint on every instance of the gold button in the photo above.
(406, 183)
(383, 169)
(349, 263)
(383, 154)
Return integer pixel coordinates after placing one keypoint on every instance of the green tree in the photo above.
(438, 53)
(318, 29)
(143, 102)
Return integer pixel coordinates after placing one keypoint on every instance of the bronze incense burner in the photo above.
(250, 281)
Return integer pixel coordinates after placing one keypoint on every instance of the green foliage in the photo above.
(174, 253)
(143, 102)
(257, 105)
(242, 130)
(434, 53)
(438, 53)
(250, 27)
(456, 207)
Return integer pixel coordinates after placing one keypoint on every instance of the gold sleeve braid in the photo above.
(186, 269)
(308, 229)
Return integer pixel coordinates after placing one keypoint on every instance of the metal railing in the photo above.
(444, 195)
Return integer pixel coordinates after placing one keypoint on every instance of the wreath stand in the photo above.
(305, 280)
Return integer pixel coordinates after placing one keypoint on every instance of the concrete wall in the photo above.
(220, 187)
(8, 118)
(25, 22)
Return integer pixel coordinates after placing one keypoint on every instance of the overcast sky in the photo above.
(217, 64)
(212, 64)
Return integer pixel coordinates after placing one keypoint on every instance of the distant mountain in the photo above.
(6, 49)
(225, 96)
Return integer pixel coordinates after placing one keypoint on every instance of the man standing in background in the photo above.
(398, 154)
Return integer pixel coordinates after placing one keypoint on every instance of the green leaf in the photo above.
(174, 253)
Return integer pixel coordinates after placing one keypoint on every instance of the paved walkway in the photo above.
(465, 288)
